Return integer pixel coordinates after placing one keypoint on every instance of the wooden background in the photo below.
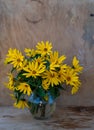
(68, 24)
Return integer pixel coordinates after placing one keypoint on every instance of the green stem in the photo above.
(43, 107)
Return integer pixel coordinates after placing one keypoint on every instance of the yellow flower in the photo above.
(53, 66)
(76, 65)
(40, 60)
(14, 57)
(21, 104)
(45, 84)
(61, 76)
(33, 69)
(25, 88)
(51, 78)
(9, 56)
(24, 64)
(74, 89)
(71, 77)
(61, 72)
(44, 48)
(63, 68)
(54, 57)
(10, 84)
(30, 52)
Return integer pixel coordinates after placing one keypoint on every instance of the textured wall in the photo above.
(68, 24)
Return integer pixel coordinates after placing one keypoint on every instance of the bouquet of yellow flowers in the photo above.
(38, 76)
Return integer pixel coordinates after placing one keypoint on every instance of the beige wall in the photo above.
(66, 23)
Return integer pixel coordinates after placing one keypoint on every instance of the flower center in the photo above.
(18, 60)
(56, 61)
(34, 72)
(26, 86)
(45, 49)
(59, 75)
(52, 75)
(68, 78)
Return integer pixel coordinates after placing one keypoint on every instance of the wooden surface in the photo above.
(68, 24)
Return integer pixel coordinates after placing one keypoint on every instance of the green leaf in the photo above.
(47, 64)
(18, 95)
(54, 91)
(39, 81)
(40, 92)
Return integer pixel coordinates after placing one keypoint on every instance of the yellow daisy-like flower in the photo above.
(44, 48)
(61, 76)
(24, 64)
(30, 52)
(54, 57)
(25, 88)
(63, 68)
(21, 104)
(61, 72)
(76, 65)
(75, 88)
(14, 57)
(33, 69)
(9, 56)
(51, 78)
(53, 66)
(10, 84)
(45, 84)
(71, 77)
(40, 60)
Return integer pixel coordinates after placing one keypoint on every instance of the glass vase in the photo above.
(42, 111)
